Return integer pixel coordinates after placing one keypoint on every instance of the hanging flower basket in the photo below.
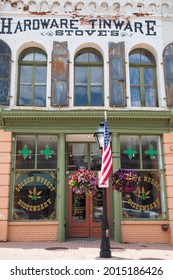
(125, 181)
(83, 181)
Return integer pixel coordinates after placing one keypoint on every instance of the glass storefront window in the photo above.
(146, 204)
(83, 154)
(25, 152)
(150, 152)
(130, 152)
(143, 154)
(34, 195)
(35, 175)
(47, 152)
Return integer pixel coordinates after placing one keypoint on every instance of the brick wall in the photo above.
(168, 158)
(5, 168)
(145, 231)
(32, 231)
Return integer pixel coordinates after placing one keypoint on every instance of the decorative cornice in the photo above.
(89, 7)
(86, 120)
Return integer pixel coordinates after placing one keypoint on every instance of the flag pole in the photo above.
(105, 251)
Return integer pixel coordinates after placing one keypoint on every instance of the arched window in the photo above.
(32, 78)
(142, 79)
(168, 68)
(5, 69)
(88, 78)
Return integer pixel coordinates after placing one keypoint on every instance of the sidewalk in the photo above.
(82, 249)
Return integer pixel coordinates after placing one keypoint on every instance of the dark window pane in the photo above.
(77, 155)
(25, 152)
(28, 57)
(170, 90)
(94, 58)
(96, 75)
(26, 74)
(81, 75)
(47, 152)
(25, 96)
(4, 89)
(150, 152)
(148, 76)
(81, 98)
(146, 204)
(146, 58)
(96, 96)
(130, 155)
(40, 57)
(78, 207)
(40, 74)
(134, 58)
(150, 97)
(82, 58)
(135, 96)
(40, 96)
(34, 195)
(169, 50)
(169, 68)
(95, 158)
(134, 76)
(4, 66)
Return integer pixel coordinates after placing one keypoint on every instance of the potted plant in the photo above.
(83, 181)
(125, 181)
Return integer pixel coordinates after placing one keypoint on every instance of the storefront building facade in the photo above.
(62, 64)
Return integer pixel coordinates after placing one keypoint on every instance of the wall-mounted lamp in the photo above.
(165, 227)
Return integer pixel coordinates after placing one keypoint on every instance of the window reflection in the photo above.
(78, 207)
(143, 79)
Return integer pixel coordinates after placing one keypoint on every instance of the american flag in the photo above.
(106, 166)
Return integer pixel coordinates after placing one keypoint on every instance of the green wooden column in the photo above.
(117, 200)
(61, 189)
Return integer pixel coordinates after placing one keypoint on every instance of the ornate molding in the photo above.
(89, 8)
(86, 120)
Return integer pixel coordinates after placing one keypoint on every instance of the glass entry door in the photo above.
(84, 212)
(85, 215)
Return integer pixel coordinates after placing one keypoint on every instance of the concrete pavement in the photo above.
(82, 249)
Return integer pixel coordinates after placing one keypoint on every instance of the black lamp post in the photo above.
(105, 251)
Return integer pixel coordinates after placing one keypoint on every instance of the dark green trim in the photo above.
(86, 121)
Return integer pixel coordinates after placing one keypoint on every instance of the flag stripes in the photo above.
(106, 167)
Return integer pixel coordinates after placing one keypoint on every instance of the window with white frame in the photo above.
(143, 85)
(32, 78)
(88, 78)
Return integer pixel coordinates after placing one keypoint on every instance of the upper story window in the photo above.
(32, 78)
(88, 78)
(5, 68)
(168, 67)
(143, 79)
